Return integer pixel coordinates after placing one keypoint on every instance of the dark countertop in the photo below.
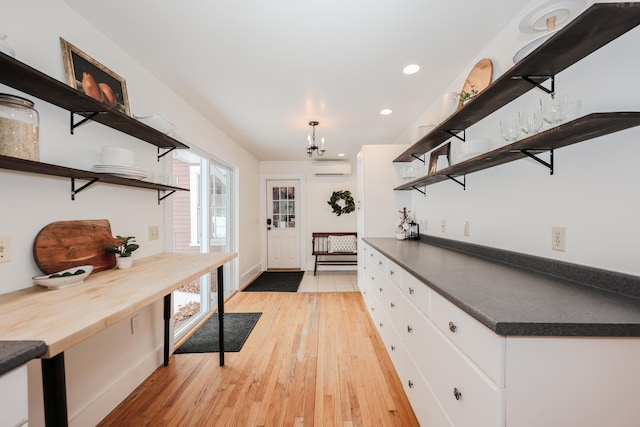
(17, 353)
(511, 300)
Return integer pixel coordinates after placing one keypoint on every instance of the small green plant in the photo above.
(465, 96)
(124, 247)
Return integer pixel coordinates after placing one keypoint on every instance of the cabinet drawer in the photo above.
(13, 389)
(394, 273)
(467, 395)
(391, 339)
(416, 292)
(415, 335)
(391, 302)
(424, 404)
(480, 344)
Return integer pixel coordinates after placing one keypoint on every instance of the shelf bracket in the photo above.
(91, 115)
(161, 198)
(424, 192)
(455, 132)
(463, 183)
(73, 187)
(165, 153)
(532, 80)
(422, 159)
(539, 160)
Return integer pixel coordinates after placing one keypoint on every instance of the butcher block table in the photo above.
(62, 318)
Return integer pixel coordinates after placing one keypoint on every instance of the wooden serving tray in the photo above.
(67, 244)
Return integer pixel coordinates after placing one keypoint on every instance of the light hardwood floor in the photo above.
(313, 359)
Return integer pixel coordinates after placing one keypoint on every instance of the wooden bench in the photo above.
(322, 248)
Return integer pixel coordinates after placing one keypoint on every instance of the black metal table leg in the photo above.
(221, 313)
(167, 319)
(54, 391)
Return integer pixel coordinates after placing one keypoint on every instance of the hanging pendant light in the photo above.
(311, 139)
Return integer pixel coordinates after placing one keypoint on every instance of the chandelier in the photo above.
(312, 141)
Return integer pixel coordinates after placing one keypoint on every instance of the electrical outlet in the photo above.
(154, 232)
(5, 248)
(466, 228)
(135, 323)
(558, 238)
(443, 226)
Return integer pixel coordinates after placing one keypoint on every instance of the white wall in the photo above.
(317, 191)
(103, 370)
(595, 186)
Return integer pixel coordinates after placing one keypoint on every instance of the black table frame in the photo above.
(54, 387)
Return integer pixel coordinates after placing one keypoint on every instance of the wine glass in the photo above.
(531, 120)
(510, 128)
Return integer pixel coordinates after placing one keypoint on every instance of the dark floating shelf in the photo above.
(30, 166)
(35, 83)
(597, 26)
(581, 129)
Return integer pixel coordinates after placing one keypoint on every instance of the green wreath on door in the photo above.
(342, 202)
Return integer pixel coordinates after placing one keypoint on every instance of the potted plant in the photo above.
(464, 96)
(123, 249)
(403, 224)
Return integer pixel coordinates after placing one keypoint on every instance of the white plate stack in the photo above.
(120, 162)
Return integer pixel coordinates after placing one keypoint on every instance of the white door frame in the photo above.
(301, 215)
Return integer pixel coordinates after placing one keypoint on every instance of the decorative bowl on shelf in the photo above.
(65, 278)
(158, 122)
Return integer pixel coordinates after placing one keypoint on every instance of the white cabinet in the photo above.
(14, 397)
(377, 203)
(457, 372)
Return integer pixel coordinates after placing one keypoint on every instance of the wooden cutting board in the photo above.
(67, 244)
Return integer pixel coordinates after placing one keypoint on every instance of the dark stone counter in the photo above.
(16, 353)
(516, 298)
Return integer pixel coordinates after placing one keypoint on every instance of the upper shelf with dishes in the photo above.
(35, 83)
(578, 130)
(594, 28)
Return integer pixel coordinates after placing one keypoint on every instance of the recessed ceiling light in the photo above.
(386, 112)
(340, 154)
(411, 69)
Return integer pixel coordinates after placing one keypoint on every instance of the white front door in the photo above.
(283, 232)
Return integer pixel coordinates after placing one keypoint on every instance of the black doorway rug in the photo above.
(276, 281)
(237, 327)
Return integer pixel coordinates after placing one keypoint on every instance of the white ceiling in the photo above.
(261, 70)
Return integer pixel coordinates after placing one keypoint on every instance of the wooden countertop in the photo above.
(64, 317)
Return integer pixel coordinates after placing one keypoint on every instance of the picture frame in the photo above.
(90, 77)
(433, 159)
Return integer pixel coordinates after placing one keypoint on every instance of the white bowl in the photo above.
(64, 281)
(158, 122)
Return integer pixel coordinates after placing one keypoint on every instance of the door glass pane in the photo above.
(284, 209)
(188, 301)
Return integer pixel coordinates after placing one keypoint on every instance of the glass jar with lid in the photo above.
(19, 128)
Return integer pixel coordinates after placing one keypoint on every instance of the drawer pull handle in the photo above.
(409, 329)
(456, 393)
(393, 348)
(373, 308)
(393, 305)
(452, 327)
(411, 291)
(380, 289)
(381, 324)
(410, 384)
(391, 272)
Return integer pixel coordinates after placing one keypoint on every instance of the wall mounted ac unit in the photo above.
(331, 168)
